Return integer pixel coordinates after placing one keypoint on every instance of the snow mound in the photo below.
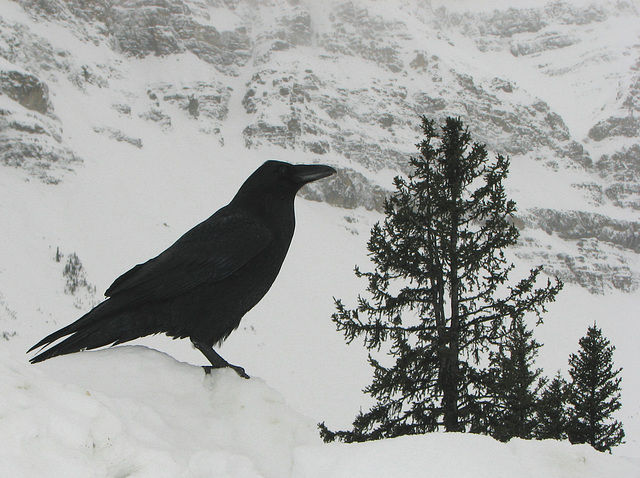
(133, 411)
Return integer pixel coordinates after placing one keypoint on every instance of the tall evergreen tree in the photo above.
(513, 384)
(551, 413)
(594, 393)
(439, 293)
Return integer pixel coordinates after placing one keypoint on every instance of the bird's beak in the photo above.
(306, 173)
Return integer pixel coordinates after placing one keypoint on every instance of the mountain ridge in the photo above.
(298, 68)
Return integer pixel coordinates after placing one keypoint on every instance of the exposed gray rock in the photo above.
(227, 52)
(31, 52)
(148, 27)
(348, 189)
(621, 166)
(509, 128)
(164, 27)
(371, 37)
(592, 192)
(33, 142)
(371, 154)
(279, 135)
(502, 85)
(512, 21)
(209, 100)
(496, 30)
(26, 89)
(153, 26)
(545, 42)
(294, 29)
(595, 266)
(87, 10)
(632, 101)
(622, 171)
(576, 225)
(576, 152)
(571, 14)
(499, 23)
(322, 117)
(420, 62)
(86, 75)
(119, 136)
(157, 116)
(628, 126)
(624, 194)
(123, 109)
(428, 106)
(31, 136)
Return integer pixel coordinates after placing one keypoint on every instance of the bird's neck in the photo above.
(277, 213)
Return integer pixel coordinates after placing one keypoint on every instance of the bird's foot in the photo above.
(216, 360)
(239, 370)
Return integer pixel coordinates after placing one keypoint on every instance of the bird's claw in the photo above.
(239, 370)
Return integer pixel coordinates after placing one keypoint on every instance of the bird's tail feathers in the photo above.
(99, 327)
(90, 317)
(79, 340)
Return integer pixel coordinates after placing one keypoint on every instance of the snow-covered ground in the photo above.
(136, 412)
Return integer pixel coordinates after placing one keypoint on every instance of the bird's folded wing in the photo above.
(209, 252)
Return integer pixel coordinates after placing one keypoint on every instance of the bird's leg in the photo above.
(216, 360)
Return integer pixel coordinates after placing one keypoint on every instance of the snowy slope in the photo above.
(136, 412)
(131, 173)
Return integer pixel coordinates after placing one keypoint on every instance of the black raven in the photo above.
(203, 284)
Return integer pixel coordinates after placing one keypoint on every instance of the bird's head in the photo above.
(281, 181)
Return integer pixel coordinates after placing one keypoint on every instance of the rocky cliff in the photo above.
(556, 85)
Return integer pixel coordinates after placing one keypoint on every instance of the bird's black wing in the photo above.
(211, 251)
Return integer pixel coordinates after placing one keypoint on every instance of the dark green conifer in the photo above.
(438, 295)
(594, 393)
(513, 384)
(551, 413)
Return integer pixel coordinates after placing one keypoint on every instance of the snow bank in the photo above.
(133, 411)
(459, 455)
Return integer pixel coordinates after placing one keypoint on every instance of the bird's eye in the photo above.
(283, 170)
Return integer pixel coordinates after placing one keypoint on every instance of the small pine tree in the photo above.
(551, 413)
(74, 274)
(594, 393)
(439, 293)
(513, 384)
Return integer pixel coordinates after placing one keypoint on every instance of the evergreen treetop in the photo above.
(551, 412)
(594, 393)
(513, 384)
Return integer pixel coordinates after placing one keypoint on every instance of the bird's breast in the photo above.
(218, 307)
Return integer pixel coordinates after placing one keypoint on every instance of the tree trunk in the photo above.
(450, 379)
(452, 348)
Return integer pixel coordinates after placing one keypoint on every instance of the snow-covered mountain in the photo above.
(124, 123)
(555, 86)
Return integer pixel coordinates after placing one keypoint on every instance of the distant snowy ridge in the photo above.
(345, 83)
